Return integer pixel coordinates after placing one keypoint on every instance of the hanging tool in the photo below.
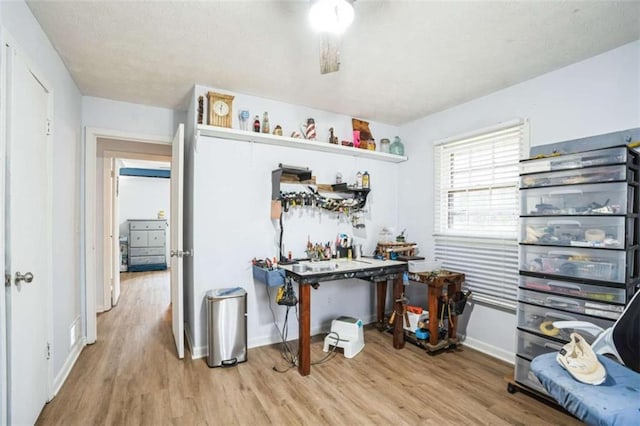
(404, 302)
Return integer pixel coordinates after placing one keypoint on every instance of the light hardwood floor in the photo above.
(132, 376)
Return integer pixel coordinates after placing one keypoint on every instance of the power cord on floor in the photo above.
(332, 353)
(287, 354)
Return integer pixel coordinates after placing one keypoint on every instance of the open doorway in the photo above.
(137, 195)
(97, 142)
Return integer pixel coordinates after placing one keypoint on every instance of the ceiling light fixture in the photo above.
(331, 16)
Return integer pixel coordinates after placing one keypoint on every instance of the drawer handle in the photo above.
(563, 222)
(565, 192)
(553, 346)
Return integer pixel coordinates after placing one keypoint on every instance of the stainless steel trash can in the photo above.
(227, 326)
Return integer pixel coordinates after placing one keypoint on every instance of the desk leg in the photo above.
(433, 293)
(398, 331)
(381, 288)
(304, 330)
(453, 325)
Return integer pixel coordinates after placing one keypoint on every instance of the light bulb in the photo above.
(331, 16)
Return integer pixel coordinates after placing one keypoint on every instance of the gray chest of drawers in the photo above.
(147, 244)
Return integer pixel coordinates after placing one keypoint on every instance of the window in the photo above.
(477, 209)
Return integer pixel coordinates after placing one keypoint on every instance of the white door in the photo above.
(177, 198)
(28, 240)
(115, 229)
(107, 245)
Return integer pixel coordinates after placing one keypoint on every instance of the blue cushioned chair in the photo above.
(617, 400)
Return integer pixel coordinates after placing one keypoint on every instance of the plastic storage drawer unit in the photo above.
(227, 326)
(591, 199)
(604, 265)
(538, 319)
(572, 304)
(531, 345)
(590, 231)
(573, 177)
(586, 291)
(600, 157)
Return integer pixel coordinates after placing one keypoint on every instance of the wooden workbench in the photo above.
(438, 284)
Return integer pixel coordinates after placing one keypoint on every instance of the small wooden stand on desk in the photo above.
(436, 283)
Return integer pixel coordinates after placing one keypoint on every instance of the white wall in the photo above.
(595, 96)
(127, 117)
(22, 26)
(142, 198)
(231, 200)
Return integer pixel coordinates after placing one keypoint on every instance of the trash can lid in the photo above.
(220, 293)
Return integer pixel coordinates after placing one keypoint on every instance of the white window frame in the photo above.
(483, 246)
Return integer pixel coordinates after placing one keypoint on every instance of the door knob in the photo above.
(27, 278)
(179, 253)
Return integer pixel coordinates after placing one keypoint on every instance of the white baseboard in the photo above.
(196, 351)
(203, 351)
(490, 350)
(61, 377)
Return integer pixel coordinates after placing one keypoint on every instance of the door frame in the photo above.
(7, 41)
(108, 196)
(89, 207)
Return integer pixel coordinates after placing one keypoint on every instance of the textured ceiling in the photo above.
(401, 60)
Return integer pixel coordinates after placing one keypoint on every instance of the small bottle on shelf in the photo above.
(365, 180)
(359, 180)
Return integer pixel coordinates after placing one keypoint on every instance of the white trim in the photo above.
(3, 136)
(71, 360)
(493, 351)
(88, 203)
(477, 132)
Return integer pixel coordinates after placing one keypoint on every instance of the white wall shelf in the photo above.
(269, 139)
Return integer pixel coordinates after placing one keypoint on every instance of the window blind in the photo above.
(477, 209)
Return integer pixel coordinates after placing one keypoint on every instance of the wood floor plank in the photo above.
(132, 376)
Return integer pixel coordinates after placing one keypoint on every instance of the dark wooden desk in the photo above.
(378, 271)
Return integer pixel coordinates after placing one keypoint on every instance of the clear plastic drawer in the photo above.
(531, 345)
(593, 199)
(580, 306)
(592, 231)
(573, 177)
(602, 265)
(525, 376)
(538, 319)
(595, 292)
(600, 157)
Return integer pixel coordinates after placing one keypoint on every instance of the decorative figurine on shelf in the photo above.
(396, 147)
(265, 122)
(278, 130)
(244, 115)
(200, 109)
(256, 124)
(296, 134)
(310, 131)
(332, 139)
(356, 138)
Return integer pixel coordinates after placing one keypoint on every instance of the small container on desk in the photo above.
(272, 278)
(438, 283)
